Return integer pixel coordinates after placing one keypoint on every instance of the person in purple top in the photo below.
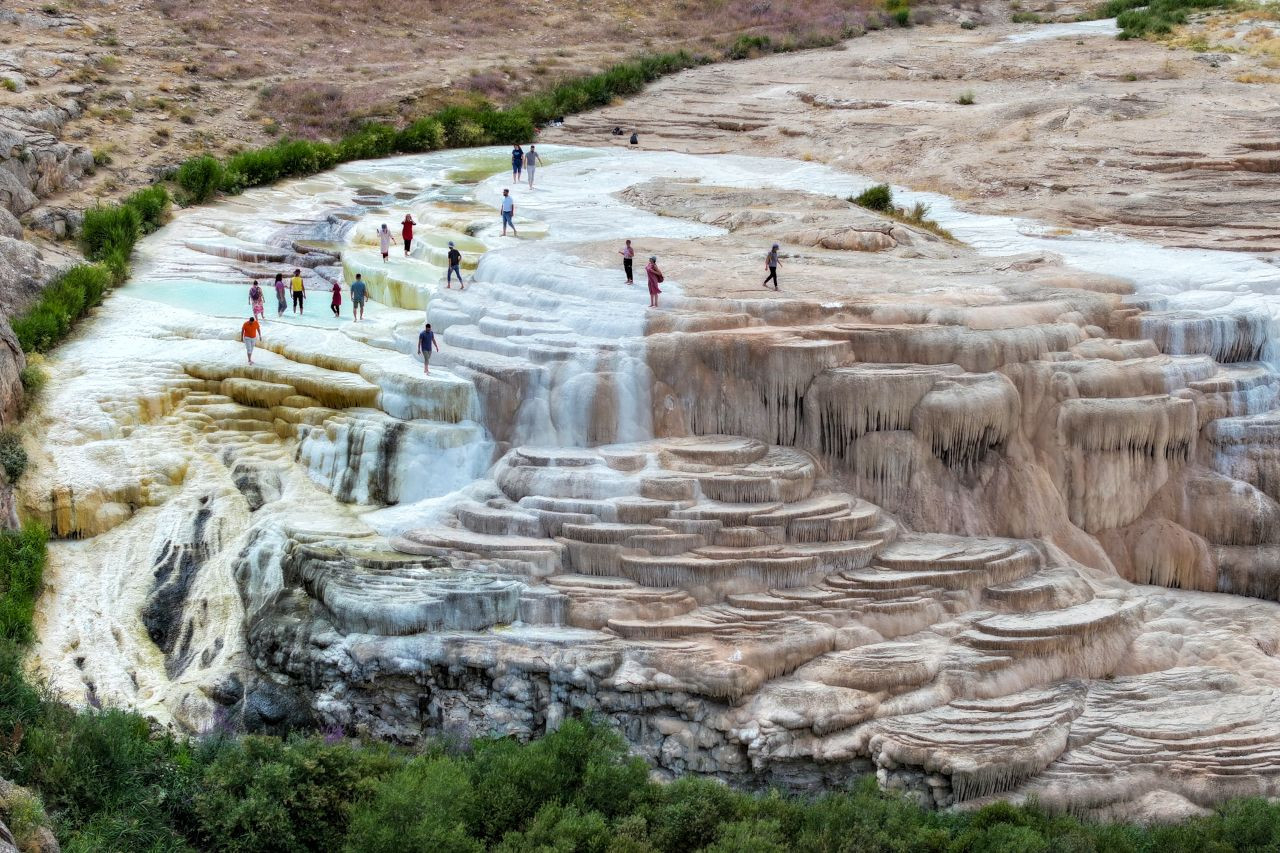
(427, 340)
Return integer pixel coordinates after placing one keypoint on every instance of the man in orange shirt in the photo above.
(250, 333)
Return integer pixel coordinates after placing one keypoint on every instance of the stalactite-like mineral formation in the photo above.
(962, 523)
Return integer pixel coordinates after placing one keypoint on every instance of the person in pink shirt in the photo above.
(628, 254)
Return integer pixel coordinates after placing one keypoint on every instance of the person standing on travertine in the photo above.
(299, 291)
(357, 298)
(250, 334)
(628, 254)
(455, 268)
(655, 279)
(427, 340)
(385, 241)
(509, 211)
(531, 161)
(281, 302)
(771, 264)
(406, 232)
(517, 163)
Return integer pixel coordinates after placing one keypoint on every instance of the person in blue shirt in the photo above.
(357, 298)
(517, 162)
(427, 340)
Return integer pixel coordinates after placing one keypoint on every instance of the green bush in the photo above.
(1142, 18)
(200, 177)
(22, 560)
(879, 198)
(13, 459)
(265, 794)
(33, 379)
(965, 99)
(152, 205)
(421, 806)
(746, 46)
(425, 134)
(63, 301)
(110, 228)
(368, 143)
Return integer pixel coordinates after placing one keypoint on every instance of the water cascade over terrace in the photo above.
(927, 489)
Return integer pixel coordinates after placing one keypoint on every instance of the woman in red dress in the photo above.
(655, 279)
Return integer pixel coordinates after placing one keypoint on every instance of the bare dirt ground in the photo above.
(162, 80)
(1159, 142)
(1177, 145)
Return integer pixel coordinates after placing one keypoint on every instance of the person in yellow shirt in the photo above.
(299, 292)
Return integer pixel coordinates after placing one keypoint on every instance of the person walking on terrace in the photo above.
(299, 292)
(628, 254)
(282, 303)
(655, 279)
(406, 232)
(357, 298)
(255, 301)
(335, 305)
(427, 340)
(509, 212)
(771, 264)
(250, 334)
(385, 241)
(517, 163)
(455, 268)
(532, 160)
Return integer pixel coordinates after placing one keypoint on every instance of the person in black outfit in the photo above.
(455, 268)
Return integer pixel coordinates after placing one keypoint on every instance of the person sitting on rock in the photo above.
(635, 138)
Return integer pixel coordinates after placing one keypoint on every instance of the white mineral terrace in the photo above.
(917, 516)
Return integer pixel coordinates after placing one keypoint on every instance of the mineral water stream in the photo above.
(182, 310)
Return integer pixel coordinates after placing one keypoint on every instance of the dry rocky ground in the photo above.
(1161, 143)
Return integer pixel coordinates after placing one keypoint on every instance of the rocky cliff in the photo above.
(959, 518)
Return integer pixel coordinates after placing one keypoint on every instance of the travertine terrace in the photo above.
(958, 513)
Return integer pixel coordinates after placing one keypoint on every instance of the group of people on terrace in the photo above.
(522, 163)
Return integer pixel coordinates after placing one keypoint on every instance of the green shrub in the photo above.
(425, 134)
(690, 812)
(902, 17)
(262, 793)
(421, 806)
(13, 458)
(33, 379)
(879, 198)
(746, 46)
(559, 827)
(1026, 18)
(109, 228)
(22, 560)
(370, 142)
(506, 127)
(63, 301)
(965, 99)
(200, 177)
(152, 205)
